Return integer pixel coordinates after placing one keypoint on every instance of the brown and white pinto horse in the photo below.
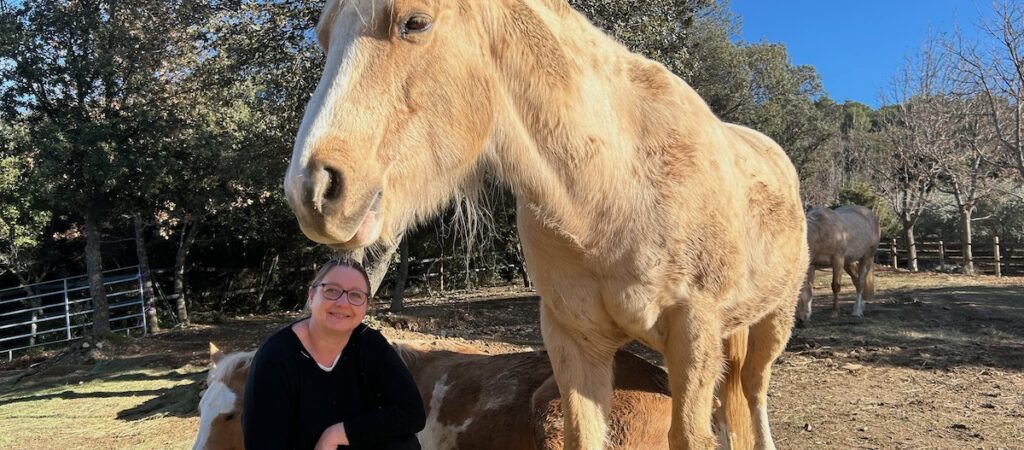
(641, 214)
(475, 401)
(842, 239)
(220, 408)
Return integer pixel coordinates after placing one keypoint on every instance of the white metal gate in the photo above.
(52, 312)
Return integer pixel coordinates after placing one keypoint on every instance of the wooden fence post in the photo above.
(999, 271)
(892, 249)
(942, 256)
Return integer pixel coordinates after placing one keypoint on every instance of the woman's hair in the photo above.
(341, 261)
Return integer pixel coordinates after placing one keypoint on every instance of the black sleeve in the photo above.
(400, 411)
(265, 421)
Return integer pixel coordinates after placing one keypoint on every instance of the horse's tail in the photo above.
(735, 428)
(868, 282)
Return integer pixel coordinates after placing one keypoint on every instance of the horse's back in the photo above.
(767, 184)
(851, 231)
(863, 231)
(767, 212)
(761, 150)
(826, 236)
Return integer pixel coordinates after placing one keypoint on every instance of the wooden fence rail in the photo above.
(988, 258)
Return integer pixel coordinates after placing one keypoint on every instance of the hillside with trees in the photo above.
(157, 133)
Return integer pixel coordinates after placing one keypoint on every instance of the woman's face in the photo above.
(338, 315)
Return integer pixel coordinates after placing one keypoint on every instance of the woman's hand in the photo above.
(332, 437)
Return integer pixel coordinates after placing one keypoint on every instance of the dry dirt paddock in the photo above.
(936, 363)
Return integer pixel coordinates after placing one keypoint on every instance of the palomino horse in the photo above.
(844, 238)
(641, 214)
(474, 401)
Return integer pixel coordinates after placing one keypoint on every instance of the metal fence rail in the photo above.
(59, 311)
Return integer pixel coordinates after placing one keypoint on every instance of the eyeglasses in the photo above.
(333, 292)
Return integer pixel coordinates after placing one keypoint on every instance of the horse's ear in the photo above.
(215, 354)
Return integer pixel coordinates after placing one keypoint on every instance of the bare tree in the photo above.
(963, 171)
(915, 128)
(993, 70)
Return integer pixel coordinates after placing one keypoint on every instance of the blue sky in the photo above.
(856, 46)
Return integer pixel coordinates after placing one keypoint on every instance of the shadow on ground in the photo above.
(937, 328)
(933, 328)
(180, 400)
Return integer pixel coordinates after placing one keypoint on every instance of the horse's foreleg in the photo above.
(837, 280)
(767, 340)
(582, 363)
(694, 356)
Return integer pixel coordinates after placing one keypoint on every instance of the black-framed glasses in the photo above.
(333, 292)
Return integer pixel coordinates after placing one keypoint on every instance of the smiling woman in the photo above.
(329, 380)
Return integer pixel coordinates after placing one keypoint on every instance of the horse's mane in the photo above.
(229, 365)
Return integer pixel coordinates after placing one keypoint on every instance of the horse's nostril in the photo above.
(326, 184)
(334, 185)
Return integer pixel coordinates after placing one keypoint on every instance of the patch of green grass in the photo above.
(114, 408)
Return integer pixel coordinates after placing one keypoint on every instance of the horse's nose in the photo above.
(323, 186)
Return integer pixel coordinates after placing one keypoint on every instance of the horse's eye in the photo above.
(229, 417)
(417, 23)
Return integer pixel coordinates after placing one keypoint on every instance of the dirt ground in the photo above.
(936, 363)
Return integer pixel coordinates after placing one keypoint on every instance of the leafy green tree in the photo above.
(658, 29)
(91, 81)
(22, 219)
(757, 85)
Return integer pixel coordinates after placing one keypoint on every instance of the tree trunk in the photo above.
(148, 297)
(965, 236)
(34, 303)
(379, 266)
(34, 327)
(398, 291)
(264, 281)
(188, 238)
(521, 267)
(94, 268)
(908, 234)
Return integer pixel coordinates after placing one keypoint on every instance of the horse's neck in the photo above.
(568, 139)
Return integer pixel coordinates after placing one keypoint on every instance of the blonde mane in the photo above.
(229, 365)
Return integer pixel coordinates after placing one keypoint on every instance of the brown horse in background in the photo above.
(842, 239)
(641, 214)
(474, 400)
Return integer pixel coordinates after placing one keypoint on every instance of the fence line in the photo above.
(75, 310)
(987, 258)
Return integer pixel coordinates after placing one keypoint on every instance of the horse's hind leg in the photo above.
(767, 340)
(582, 362)
(837, 280)
(694, 355)
(851, 270)
(866, 285)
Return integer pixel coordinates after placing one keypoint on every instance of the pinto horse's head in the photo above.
(400, 117)
(220, 408)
